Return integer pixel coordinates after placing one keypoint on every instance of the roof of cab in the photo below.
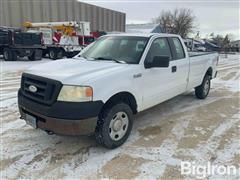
(143, 34)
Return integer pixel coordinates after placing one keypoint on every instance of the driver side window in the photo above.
(159, 47)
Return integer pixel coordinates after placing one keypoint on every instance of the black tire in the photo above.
(202, 91)
(9, 55)
(103, 130)
(36, 55)
(53, 54)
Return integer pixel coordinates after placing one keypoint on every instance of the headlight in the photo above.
(75, 93)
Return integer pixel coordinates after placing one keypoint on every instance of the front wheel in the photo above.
(53, 54)
(114, 125)
(202, 91)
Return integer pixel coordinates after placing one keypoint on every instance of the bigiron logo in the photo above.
(202, 171)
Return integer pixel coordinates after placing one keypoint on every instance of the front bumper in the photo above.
(67, 118)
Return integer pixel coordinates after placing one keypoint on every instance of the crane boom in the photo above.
(67, 27)
(52, 24)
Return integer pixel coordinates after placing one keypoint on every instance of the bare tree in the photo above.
(179, 21)
(221, 41)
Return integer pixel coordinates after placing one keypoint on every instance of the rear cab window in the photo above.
(177, 48)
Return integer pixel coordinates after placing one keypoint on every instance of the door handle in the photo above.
(174, 69)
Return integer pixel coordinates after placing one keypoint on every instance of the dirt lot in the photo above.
(181, 129)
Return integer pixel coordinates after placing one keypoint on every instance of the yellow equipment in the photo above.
(67, 28)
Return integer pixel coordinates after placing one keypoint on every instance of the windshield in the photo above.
(126, 49)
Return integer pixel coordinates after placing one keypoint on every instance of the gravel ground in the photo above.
(181, 129)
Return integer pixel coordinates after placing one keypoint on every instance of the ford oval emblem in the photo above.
(32, 88)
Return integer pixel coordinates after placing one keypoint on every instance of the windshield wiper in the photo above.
(109, 59)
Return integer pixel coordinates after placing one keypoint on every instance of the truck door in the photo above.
(47, 35)
(179, 65)
(158, 83)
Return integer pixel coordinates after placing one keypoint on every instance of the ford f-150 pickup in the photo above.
(99, 90)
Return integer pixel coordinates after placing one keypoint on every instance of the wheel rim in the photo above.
(206, 87)
(5, 54)
(118, 126)
(51, 54)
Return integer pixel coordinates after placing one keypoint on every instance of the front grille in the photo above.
(47, 89)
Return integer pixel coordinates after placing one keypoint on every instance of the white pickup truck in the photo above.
(100, 90)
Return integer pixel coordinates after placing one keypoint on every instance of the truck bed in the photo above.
(194, 53)
(16, 38)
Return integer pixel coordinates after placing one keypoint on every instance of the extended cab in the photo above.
(100, 90)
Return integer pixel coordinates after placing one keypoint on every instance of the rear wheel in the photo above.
(9, 55)
(36, 55)
(114, 125)
(202, 91)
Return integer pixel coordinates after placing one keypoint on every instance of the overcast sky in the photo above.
(218, 16)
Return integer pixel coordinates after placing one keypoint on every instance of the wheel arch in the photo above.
(123, 96)
(209, 72)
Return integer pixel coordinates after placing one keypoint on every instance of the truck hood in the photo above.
(67, 70)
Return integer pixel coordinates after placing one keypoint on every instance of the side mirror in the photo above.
(158, 61)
